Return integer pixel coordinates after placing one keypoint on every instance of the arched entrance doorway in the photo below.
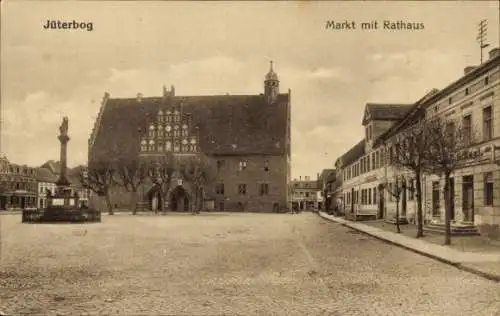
(179, 200)
(155, 198)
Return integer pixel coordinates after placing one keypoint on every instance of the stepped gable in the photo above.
(228, 124)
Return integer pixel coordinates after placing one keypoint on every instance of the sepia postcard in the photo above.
(250, 158)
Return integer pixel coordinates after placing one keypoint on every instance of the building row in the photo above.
(24, 187)
(306, 194)
(365, 175)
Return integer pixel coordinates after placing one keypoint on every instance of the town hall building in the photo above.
(246, 138)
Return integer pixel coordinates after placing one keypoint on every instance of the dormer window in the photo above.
(243, 165)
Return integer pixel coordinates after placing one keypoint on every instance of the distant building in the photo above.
(18, 187)
(46, 181)
(245, 137)
(48, 175)
(327, 181)
(306, 194)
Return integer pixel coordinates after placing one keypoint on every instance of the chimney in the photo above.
(300, 178)
(317, 176)
(495, 52)
(139, 97)
(172, 91)
(165, 91)
(469, 69)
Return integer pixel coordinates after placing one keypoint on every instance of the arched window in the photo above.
(177, 146)
(168, 146)
(151, 145)
(176, 131)
(160, 131)
(161, 146)
(151, 130)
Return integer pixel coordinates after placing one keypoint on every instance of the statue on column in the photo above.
(64, 127)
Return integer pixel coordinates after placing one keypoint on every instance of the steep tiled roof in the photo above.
(354, 153)
(327, 175)
(385, 111)
(228, 124)
(46, 175)
(53, 166)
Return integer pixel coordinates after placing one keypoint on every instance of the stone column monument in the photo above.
(63, 205)
(63, 138)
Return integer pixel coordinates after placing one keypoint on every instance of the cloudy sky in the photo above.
(218, 48)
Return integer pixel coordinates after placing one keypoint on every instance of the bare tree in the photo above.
(396, 189)
(198, 171)
(130, 174)
(410, 153)
(448, 147)
(99, 178)
(162, 172)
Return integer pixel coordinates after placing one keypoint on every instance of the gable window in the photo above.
(242, 189)
(219, 188)
(177, 146)
(263, 189)
(243, 165)
(487, 124)
(488, 189)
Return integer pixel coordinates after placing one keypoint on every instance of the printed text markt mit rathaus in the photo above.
(374, 25)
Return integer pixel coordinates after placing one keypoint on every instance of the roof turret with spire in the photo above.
(271, 84)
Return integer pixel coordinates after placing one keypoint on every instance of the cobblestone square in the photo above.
(224, 264)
